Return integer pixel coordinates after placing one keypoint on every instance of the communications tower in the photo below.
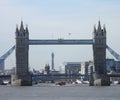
(52, 62)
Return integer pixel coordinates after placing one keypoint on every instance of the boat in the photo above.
(60, 83)
(5, 82)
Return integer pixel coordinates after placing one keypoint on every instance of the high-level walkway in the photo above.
(61, 42)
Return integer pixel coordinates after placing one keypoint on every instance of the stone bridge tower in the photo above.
(99, 53)
(22, 76)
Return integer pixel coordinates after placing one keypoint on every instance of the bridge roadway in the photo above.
(47, 77)
(51, 77)
(61, 42)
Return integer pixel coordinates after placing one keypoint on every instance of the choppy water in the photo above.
(52, 92)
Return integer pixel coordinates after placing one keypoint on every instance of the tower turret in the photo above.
(99, 27)
(94, 31)
(21, 27)
(27, 32)
(17, 31)
(104, 29)
(99, 53)
(22, 48)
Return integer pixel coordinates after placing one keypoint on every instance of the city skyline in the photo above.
(50, 19)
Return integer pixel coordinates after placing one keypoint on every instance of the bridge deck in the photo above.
(53, 77)
(61, 42)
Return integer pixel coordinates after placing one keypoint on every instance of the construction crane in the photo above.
(116, 55)
(3, 57)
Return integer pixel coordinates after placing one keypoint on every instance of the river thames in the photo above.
(53, 92)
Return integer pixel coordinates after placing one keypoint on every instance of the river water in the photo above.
(53, 92)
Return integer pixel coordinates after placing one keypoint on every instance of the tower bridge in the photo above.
(98, 42)
(99, 54)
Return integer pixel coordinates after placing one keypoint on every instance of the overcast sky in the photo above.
(53, 19)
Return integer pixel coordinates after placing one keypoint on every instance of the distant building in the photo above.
(72, 67)
(91, 68)
(84, 68)
(54, 72)
(112, 65)
(8, 71)
(117, 66)
(47, 69)
(62, 68)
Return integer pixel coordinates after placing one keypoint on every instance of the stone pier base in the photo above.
(23, 80)
(101, 80)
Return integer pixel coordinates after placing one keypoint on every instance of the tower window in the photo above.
(24, 33)
(102, 32)
(21, 41)
(18, 33)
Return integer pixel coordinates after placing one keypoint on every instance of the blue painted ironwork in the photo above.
(61, 42)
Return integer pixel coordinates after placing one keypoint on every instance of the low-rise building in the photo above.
(72, 67)
(112, 65)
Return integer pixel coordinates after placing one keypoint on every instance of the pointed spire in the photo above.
(99, 26)
(27, 29)
(104, 29)
(94, 31)
(17, 29)
(22, 27)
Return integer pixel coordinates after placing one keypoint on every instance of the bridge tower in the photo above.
(99, 53)
(22, 76)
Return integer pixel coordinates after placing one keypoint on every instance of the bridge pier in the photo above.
(98, 79)
(23, 80)
(101, 80)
